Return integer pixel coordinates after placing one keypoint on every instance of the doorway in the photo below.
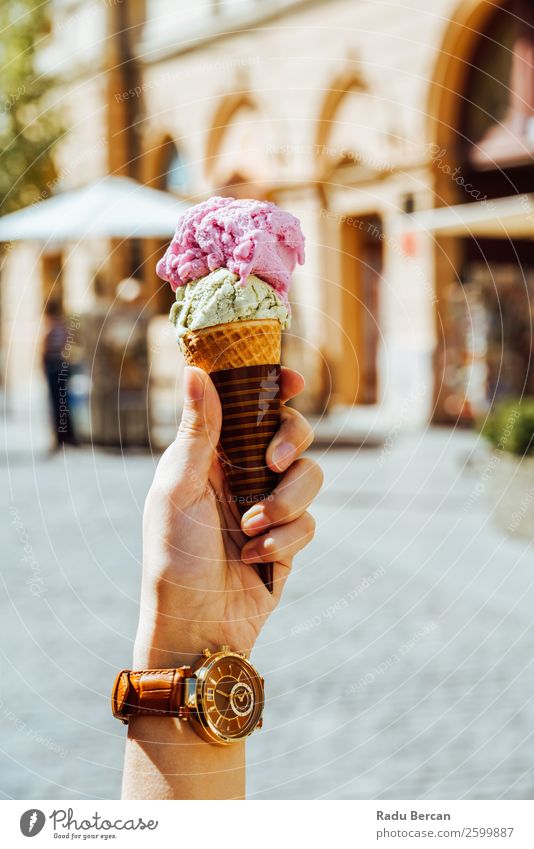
(362, 265)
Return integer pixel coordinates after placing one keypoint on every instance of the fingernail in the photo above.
(193, 385)
(283, 454)
(250, 555)
(253, 521)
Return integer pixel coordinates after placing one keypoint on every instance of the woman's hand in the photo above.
(200, 589)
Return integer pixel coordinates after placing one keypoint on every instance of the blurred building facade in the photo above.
(356, 117)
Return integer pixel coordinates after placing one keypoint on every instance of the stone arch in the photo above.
(229, 107)
(156, 155)
(344, 84)
(336, 161)
(448, 81)
(465, 25)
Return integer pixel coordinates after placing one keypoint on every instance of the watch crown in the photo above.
(206, 652)
(225, 648)
(260, 723)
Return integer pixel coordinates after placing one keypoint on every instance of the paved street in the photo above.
(400, 664)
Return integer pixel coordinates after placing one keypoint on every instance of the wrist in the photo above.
(160, 644)
(172, 630)
(220, 698)
(158, 647)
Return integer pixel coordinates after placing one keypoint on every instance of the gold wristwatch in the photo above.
(221, 694)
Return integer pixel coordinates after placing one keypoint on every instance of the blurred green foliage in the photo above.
(510, 426)
(29, 127)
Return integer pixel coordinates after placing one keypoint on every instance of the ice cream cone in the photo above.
(230, 263)
(243, 358)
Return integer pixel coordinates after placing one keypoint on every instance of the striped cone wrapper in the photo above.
(243, 359)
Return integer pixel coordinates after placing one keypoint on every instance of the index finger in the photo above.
(291, 384)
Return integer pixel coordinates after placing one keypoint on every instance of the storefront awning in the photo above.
(503, 218)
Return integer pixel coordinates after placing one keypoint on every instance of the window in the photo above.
(174, 172)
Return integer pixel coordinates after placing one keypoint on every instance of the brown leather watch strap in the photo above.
(154, 692)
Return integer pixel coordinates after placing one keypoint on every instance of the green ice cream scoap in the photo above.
(220, 298)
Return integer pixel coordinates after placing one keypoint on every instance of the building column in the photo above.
(304, 343)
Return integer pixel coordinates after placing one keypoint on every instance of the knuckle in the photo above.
(303, 440)
(310, 436)
(268, 509)
(307, 432)
(316, 474)
(303, 432)
(287, 414)
(309, 526)
(311, 472)
(191, 425)
(281, 507)
(284, 564)
(268, 547)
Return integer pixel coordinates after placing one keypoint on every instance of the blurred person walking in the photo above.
(56, 365)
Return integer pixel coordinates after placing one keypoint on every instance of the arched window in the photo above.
(497, 116)
(353, 131)
(174, 171)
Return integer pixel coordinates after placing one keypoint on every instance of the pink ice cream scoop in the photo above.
(245, 236)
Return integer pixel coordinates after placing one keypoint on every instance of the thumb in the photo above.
(199, 430)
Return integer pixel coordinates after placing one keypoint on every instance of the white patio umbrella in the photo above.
(113, 207)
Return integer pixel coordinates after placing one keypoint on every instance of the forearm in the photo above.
(165, 758)
(201, 597)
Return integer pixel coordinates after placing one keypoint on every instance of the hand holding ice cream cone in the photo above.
(200, 587)
(230, 263)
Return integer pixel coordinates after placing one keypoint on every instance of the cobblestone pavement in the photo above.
(398, 666)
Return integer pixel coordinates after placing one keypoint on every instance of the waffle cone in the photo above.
(232, 345)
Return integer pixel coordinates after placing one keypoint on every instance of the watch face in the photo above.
(230, 697)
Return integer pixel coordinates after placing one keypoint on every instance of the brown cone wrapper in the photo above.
(250, 400)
